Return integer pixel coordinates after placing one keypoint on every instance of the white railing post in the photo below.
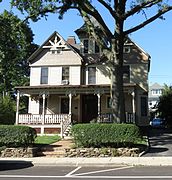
(17, 108)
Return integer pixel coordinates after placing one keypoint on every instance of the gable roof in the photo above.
(54, 41)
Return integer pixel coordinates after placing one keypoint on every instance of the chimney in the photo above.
(71, 40)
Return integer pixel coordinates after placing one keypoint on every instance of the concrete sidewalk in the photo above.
(44, 161)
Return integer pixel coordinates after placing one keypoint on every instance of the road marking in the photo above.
(88, 177)
(70, 173)
(105, 170)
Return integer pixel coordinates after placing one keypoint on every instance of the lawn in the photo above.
(46, 139)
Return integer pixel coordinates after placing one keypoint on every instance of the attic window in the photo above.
(127, 49)
(56, 51)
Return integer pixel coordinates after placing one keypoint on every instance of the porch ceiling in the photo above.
(78, 89)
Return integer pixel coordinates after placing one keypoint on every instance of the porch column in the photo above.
(17, 108)
(70, 103)
(99, 104)
(43, 108)
(133, 105)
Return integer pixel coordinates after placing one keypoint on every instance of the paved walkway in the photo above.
(160, 143)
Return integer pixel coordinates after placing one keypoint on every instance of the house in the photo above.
(71, 83)
(155, 91)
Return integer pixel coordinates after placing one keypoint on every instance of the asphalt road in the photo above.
(160, 143)
(17, 172)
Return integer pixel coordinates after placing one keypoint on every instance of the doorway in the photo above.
(89, 107)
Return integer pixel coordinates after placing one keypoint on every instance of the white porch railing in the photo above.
(40, 119)
(107, 118)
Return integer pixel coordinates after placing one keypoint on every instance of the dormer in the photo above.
(88, 44)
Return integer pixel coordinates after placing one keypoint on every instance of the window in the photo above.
(126, 74)
(90, 46)
(126, 49)
(144, 105)
(64, 105)
(156, 91)
(86, 46)
(97, 49)
(44, 75)
(91, 75)
(108, 102)
(65, 74)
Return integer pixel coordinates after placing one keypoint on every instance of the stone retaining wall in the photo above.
(102, 152)
(19, 152)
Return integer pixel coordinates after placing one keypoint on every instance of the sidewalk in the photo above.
(44, 161)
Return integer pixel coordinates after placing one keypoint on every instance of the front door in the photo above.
(89, 107)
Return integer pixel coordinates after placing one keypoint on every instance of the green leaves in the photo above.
(16, 45)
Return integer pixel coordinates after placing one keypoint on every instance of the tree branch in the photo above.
(111, 11)
(94, 13)
(148, 21)
(139, 7)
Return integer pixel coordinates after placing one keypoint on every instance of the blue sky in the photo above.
(155, 39)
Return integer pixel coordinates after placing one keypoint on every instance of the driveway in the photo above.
(160, 142)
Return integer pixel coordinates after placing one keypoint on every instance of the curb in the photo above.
(113, 161)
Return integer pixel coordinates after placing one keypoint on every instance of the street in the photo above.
(59, 172)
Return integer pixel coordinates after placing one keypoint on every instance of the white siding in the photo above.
(46, 58)
(33, 106)
(55, 75)
(35, 74)
(102, 75)
(75, 75)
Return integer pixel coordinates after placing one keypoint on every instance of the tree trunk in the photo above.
(117, 92)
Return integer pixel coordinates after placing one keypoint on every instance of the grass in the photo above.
(46, 139)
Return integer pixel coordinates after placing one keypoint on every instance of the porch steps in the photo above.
(67, 132)
(56, 149)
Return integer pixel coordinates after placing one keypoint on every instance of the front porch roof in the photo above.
(82, 89)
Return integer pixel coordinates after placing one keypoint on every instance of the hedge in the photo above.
(105, 135)
(16, 136)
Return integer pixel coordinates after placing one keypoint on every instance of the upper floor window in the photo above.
(44, 75)
(126, 74)
(86, 46)
(90, 46)
(65, 75)
(91, 75)
(127, 49)
(156, 91)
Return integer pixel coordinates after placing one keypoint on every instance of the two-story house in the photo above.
(71, 83)
(155, 91)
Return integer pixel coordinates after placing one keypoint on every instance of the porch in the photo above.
(53, 109)
(46, 124)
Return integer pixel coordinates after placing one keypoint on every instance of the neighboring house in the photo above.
(71, 83)
(155, 91)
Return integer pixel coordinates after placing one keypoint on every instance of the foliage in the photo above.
(7, 110)
(46, 139)
(16, 136)
(111, 40)
(106, 135)
(165, 104)
(16, 46)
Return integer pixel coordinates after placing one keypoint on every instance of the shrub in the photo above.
(7, 109)
(16, 136)
(106, 135)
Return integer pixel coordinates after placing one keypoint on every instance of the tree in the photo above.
(16, 45)
(112, 41)
(7, 109)
(165, 104)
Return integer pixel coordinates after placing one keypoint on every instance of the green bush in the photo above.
(16, 136)
(7, 110)
(105, 135)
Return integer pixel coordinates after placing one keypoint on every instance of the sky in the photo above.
(155, 39)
